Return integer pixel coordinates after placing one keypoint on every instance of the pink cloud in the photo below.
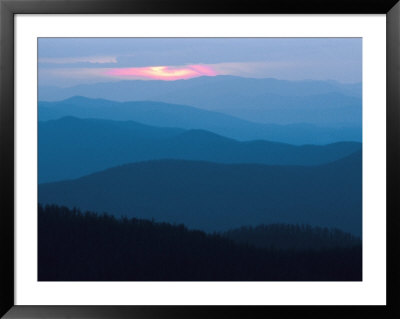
(168, 73)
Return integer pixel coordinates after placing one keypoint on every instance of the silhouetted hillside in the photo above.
(100, 144)
(211, 196)
(87, 247)
(292, 237)
(187, 117)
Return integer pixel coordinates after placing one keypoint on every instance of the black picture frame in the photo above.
(9, 8)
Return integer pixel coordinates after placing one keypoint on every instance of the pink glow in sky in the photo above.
(168, 73)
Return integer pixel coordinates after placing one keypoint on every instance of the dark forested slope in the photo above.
(87, 247)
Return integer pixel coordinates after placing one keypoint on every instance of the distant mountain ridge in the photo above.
(222, 82)
(329, 109)
(217, 197)
(187, 117)
(262, 100)
(72, 147)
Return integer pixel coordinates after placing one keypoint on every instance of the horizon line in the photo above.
(203, 76)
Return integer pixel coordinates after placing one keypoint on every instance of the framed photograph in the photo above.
(169, 159)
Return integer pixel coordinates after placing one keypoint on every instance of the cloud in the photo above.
(86, 59)
(168, 73)
(247, 69)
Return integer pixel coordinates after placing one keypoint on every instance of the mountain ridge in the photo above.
(98, 144)
(216, 197)
(259, 100)
(188, 117)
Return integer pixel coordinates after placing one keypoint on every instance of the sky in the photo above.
(67, 62)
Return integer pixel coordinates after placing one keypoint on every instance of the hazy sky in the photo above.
(73, 61)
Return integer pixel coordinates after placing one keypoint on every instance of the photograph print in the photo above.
(199, 159)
